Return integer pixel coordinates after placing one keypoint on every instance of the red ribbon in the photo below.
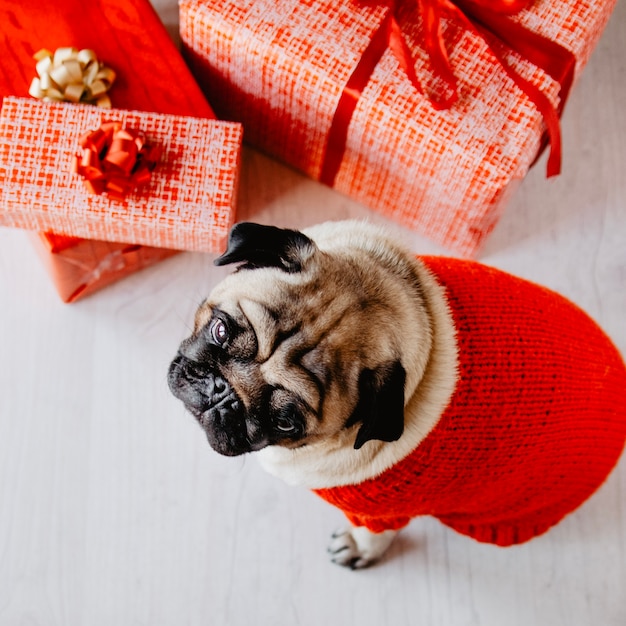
(491, 20)
(114, 160)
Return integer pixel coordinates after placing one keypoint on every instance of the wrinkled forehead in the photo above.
(260, 285)
(272, 303)
(261, 301)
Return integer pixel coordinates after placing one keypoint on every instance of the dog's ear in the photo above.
(255, 245)
(380, 408)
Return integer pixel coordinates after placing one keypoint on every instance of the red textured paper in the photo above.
(188, 204)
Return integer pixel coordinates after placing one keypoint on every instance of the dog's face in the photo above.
(294, 347)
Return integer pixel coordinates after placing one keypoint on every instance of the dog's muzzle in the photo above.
(202, 391)
(211, 400)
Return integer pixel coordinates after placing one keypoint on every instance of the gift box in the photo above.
(80, 267)
(428, 111)
(185, 203)
(151, 75)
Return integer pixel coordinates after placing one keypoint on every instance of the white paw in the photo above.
(357, 547)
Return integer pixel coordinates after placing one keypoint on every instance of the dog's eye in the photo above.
(219, 332)
(286, 418)
(285, 425)
(286, 421)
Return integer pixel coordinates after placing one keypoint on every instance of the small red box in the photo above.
(80, 267)
(188, 203)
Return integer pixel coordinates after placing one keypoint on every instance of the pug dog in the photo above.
(397, 386)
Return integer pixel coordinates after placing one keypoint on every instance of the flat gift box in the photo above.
(81, 267)
(151, 76)
(286, 70)
(187, 204)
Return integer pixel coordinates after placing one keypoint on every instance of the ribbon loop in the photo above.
(491, 21)
(114, 160)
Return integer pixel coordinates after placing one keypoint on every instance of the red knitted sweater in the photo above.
(535, 424)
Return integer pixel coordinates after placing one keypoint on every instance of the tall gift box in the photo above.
(427, 110)
(151, 76)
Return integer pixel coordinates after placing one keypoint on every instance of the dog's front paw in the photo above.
(357, 547)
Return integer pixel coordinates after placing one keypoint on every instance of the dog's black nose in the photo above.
(191, 383)
(202, 390)
(181, 386)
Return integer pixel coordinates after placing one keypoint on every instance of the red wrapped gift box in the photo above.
(187, 203)
(151, 76)
(314, 87)
(80, 267)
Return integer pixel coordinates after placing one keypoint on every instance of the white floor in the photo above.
(114, 510)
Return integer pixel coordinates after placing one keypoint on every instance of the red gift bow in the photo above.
(114, 159)
(490, 19)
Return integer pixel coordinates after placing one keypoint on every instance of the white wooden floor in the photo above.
(114, 510)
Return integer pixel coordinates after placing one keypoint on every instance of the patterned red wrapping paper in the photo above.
(188, 203)
(281, 69)
(151, 76)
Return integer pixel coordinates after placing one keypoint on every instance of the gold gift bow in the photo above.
(71, 75)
